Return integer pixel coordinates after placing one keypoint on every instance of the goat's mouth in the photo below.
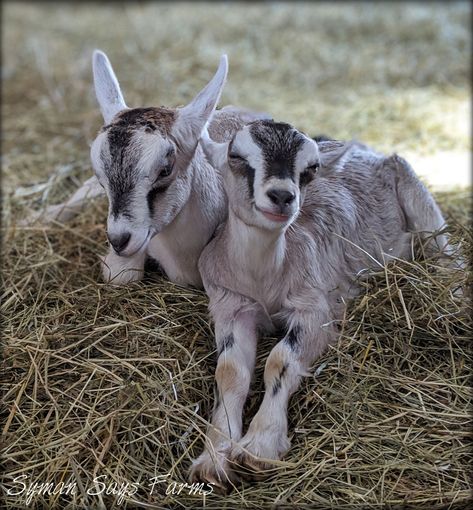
(270, 215)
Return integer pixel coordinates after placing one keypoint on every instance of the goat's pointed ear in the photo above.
(192, 118)
(216, 153)
(107, 88)
(334, 160)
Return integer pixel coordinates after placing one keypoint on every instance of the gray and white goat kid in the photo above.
(165, 199)
(304, 220)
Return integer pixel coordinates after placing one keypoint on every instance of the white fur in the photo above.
(188, 216)
(107, 88)
(297, 275)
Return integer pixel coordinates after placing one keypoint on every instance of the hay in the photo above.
(101, 381)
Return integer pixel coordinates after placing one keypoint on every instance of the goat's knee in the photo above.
(122, 270)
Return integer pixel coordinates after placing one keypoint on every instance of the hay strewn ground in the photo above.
(118, 382)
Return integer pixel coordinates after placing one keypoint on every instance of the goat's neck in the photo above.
(255, 249)
(178, 246)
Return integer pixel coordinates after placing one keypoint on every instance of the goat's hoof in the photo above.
(251, 468)
(253, 455)
(214, 471)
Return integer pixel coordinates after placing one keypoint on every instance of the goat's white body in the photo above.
(357, 214)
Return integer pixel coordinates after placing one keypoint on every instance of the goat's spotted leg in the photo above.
(266, 439)
(236, 344)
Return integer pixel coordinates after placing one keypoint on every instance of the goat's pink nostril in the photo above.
(119, 242)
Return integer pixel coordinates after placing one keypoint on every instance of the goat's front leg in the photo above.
(266, 439)
(236, 344)
(118, 270)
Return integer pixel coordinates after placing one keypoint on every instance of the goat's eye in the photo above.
(166, 171)
(314, 167)
(236, 158)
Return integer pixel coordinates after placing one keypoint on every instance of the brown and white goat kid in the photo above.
(304, 220)
(165, 199)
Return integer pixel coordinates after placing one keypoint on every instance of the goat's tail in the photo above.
(422, 213)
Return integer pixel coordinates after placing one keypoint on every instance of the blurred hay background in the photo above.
(117, 382)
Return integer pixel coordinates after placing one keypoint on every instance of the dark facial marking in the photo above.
(292, 337)
(121, 168)
(243, 169)
(227, 343)
(279, 143)
(307, 175)
(153, 193)
(150, 119)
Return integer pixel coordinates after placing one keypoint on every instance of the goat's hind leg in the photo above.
(422, 212)
(70, 208)
(424, 217)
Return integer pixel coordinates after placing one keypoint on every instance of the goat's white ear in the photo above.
(107, 88)
(191, 118)
(216, 153)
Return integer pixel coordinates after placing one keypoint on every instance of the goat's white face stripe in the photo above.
(245, 146)
(307, 155)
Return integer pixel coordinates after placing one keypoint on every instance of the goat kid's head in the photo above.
(141, 157)
(267, 166)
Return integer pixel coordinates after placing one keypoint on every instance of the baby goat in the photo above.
(304, 220)
(165, 200)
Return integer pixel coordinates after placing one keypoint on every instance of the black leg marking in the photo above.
(283, 370)
(277, 382)
(276, 385)
(227, 343)
(292, 337)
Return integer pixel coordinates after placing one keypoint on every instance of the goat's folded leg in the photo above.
(266, 439)
(118, 270)
(236, 344)
(67, 210)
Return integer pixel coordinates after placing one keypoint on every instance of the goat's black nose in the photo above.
(280, 197)
(119, 241)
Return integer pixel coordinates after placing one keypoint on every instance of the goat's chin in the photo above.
(270, 220)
